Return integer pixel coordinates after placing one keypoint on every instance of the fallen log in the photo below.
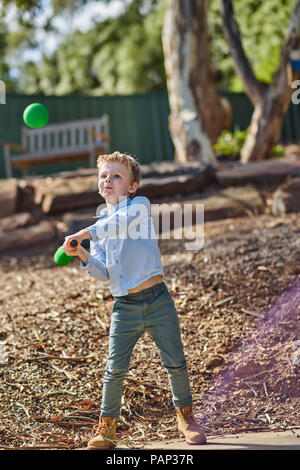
(233, 202)
(62, 195)
(170, 168)
(15, 221)
(269, 173)
(169, 186)
(27, 237)
(170, 215)
(26, 195)
(8, 196)
(226, 203)
(152, 170)
(287, 197)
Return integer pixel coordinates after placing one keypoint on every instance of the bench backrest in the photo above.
(67, 136)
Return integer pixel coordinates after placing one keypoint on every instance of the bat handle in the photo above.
(73, 243)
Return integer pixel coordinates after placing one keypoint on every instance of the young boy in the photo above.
(124, 249)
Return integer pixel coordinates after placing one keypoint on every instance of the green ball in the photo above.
(36, 115)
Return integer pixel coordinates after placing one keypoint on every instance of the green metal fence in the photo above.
(138, 123)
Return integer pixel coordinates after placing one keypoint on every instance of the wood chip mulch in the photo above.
(238, 301)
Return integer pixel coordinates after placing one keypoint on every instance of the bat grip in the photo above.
(73, 243)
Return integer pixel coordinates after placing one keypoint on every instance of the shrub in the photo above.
(231, 143)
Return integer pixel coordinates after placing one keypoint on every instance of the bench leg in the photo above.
(25, 171)
(7, 161)
(92, 158)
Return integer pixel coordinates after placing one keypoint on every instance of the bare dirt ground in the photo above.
(238, 301)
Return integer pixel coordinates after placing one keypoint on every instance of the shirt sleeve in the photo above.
(96, 264)
(119, 222)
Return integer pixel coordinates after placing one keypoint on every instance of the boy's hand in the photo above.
(78, 251)
(69, 250)
(79, 236)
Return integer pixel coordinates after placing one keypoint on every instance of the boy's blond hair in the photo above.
(127, 160)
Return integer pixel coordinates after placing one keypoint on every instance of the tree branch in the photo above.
(253, 87)
(291, 42)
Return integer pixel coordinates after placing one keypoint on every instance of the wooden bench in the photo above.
(58, 143)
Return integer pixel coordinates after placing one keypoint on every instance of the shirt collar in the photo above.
(104, 212)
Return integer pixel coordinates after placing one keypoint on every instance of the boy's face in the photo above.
(115, 181)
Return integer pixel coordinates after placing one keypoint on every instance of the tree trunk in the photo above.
(214, 109)
(265, 127)
(270, 104)
(198, 114)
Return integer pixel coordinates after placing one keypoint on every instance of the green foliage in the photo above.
(231, 143)
(124, 55)
(262, 25)
(278, 151)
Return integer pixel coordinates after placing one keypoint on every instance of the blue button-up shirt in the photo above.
(124, 247)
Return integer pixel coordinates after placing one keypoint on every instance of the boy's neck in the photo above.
(110, 206)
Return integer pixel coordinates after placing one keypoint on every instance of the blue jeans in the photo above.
(153, 310)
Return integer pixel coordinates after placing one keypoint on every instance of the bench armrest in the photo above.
(99, 134)
(16, 147)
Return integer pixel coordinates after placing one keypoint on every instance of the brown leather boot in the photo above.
(188, 427)
(105, 436)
